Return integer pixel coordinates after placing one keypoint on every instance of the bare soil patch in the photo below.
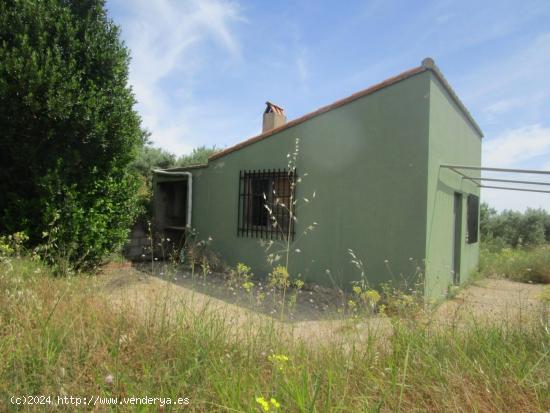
(496, 300)
(315, 315)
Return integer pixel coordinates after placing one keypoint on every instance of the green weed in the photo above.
(64, 336)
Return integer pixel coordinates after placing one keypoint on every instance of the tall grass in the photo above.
(518, 264)
(64, 336)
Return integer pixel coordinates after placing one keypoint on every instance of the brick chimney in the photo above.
(274, 116)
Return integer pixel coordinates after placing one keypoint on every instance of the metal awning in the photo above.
(462, 171)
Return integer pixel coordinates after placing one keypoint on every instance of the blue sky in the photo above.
(202, 69)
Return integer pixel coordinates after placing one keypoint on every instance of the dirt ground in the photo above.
(316, 314)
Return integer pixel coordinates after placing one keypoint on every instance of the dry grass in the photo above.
(519, 264)
(65, 336)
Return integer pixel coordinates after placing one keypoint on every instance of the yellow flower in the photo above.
(279, 360)
(275, 403)
(263, 403)
(248, 285)
(279, 277)
(372, 296)
(357, 290)
(278, 357)
(298, 284)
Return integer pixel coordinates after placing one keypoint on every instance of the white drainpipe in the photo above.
(189, 190)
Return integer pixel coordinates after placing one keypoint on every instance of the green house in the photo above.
(370, 166)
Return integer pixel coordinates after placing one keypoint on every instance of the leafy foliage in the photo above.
(150, 158)
(518, 264)
(199, 155)
(69, 129)
(511, 228)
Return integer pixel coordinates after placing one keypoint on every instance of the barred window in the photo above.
(473, 219)
(265, 198)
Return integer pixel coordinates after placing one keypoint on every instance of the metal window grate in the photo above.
(473, 219)
(265, 202)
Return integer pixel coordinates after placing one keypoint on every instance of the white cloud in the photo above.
(518, 148)
(523, 72)
(515, 200)
(165, 39)
(443, 18)
(515, 146)
(301, 64)
(502, 106)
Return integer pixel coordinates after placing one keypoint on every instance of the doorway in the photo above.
(170, 211)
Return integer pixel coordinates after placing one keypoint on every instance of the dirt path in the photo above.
(487, 300)
(495, 300)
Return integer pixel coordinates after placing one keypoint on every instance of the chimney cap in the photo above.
(428, 63)
(273, 108)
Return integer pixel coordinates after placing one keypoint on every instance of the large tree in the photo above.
(68, 128)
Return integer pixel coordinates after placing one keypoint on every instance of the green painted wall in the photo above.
(453, 140)
(374, 166)
(366, 161)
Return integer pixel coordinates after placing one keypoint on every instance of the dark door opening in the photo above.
(171, 210)
(457, 237)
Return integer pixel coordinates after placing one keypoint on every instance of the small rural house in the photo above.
(374, 161)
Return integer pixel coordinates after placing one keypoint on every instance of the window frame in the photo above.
(472, 219)
(278, 218)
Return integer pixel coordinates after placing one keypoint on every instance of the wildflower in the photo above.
(248, 286)
(275, 403)
(266, 405)
(357, 290)
(372, 296)
(352, 304)
(298, 284)
(263, 403)
(279, 360)
(123, 339)
(278, 278)
(109, 379)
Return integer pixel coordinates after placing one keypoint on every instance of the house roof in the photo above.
(427, 65)
(184, 168)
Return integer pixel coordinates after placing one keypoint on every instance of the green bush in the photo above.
(512, 228)
(520, 264)
(69, 129)
(85, 228)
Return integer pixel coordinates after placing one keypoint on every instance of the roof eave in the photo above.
(430, 65)
(184, 168)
